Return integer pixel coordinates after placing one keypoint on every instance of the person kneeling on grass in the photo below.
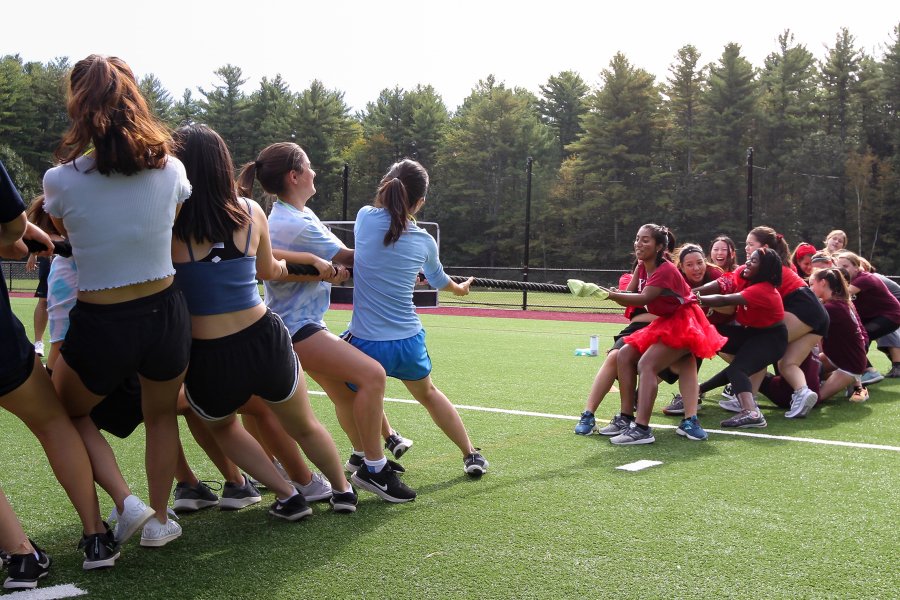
(757, 340)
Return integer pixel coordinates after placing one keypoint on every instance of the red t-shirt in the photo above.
(874, 299)
(675, 289)
(790, 282)
(764, 307)
(846, 341)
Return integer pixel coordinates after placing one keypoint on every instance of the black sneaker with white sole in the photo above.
(397, 445)
(475, 464)
(25, 570)
(355, 463)
(343, 502)
(100, 550)
(385, 484)
(292, 509)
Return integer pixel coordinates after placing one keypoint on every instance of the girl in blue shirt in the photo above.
(390, 251)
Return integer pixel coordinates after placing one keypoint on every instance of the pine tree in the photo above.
(562, 105)
(226, 109)
(159, 100)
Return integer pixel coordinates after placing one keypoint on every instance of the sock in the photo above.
(358, 453)
(627, 417)
(375, 466)
(895, 364)
(283, 500)
(642, 427)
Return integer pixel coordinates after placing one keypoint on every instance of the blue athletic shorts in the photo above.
(406, 359)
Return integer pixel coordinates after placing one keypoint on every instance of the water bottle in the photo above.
(595, 345)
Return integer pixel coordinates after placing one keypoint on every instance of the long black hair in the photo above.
(213, 212)
(399, 191)
(769, 267)
(664, 237)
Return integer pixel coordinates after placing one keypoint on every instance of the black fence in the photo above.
(17, 278)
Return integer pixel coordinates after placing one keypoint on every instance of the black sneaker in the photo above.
(100, 550)
(25, 570)
(475, 464)
(236, 497)
(292, 509)
(397, 444)
(189, 498)
(355, 463)
(385, 484)
(343, 502)
(4, 558)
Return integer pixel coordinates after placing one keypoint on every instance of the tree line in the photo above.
(825, 133)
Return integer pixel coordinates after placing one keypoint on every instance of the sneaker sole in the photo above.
(294, 517)
(159, 542)
(647, 440)
(137, 524)
(359, 482)
(673, 413)
(342, 507)
(693, 438)
(476, 470)
(593, 431)
(238, 503)
(193, 505)
(401, 449)
(611, 433)
(317, 498)
(90, 565)
(11, 584)
(762, 425)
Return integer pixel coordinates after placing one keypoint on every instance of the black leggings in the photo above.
(878, 327)
(754, 349)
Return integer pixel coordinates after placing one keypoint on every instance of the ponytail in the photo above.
(400, 190)
(768, 237)
(245, 180)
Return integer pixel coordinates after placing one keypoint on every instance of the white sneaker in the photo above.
(802, 402)
(39, 348)
(280, 468)
(317, 489)
(158, 534)
(734, 405)
(134, 516)
(728, 393)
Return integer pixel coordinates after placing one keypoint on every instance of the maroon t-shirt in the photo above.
(846, 342)
(675, 289)
(874, 299)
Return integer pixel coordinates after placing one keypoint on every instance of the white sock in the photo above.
(375, 466)
(283, 500)
(358, 453)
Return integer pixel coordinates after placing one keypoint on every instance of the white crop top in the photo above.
(120, 226)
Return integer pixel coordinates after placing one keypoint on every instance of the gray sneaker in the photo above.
(894, 372)
(618, 425)
(802, 402)
(870, 377)
(235, 497)
(319, 488)
(745, 420)
(633, 436)
(189, 498)
(675, 407)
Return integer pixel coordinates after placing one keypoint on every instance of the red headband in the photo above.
(804, 249)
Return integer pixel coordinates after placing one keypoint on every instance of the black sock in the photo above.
(642, 427)
(627, 417)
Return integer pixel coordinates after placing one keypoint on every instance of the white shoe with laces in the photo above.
(39, 348)
(319, 488)
(133, 517)
(158, 534)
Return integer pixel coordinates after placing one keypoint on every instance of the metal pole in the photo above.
(749, 188)
(528, 164)
(344, 177)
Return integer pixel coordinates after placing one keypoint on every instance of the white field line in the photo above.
(784, 438)
(48, 593)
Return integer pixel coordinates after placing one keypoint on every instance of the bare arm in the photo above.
(716, 300)
(458, 289)
(649, 294)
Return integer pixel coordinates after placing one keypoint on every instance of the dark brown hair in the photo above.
(109, 113)
(399, 191)
(837, 282)
(271, 165)
(767, 237)
(731, 262)
(664, 236)
(37, 215)
(213, 212)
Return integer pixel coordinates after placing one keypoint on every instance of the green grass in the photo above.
(734, 517)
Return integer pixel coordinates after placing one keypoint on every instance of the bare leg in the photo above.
(208, 444)
(603, 382)
(13, 539)
(40, 319)
(158, 403)
(442, 412)
(281, 445)
(656, 358)
(626, 367)
(688, 387)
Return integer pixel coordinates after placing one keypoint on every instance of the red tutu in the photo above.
(687, 328)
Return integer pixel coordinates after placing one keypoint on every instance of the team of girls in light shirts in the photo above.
(165, 297)
(768, 315)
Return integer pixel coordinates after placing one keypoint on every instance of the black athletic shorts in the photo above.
(804, 305)
(43, 273)
(619, 338)
(15, 377)
(306, 331)
(106, 343)
(120, 413)
(226, 371)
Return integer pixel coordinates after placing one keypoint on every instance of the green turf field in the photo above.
(734, 517)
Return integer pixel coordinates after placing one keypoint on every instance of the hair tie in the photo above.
(779, 237)
(257, 164)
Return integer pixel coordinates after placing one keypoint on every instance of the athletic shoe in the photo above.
(397, 445)
(587, 424)
(189, 498)
(727, 392)
(870, 377)
(675, 407)
(319, 488)
(691, 429)
(344, 502)
(617, 425)
(135, 515)
(25, 570)
(39, 348)
(745, 420)
(384, 484)
(158, 534)
(355, 463)
(802, 402)
(894, 372)
(860, 394)
(4, 558)
(100, 550)
(475, 464)
(292, 509)
(236, 497)
(633, 436)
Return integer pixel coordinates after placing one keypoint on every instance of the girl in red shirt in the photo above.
(723, 253)
(680, 332)
(758, 339)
